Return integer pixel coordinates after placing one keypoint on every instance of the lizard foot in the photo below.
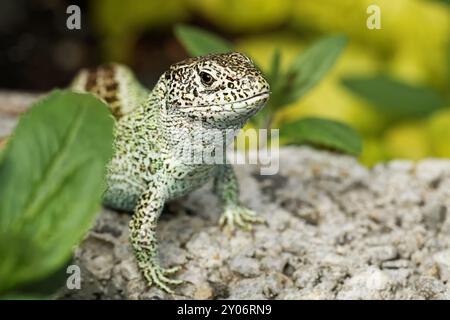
(155, 274)
(239, 216)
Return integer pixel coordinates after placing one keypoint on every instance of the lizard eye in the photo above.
(207, 79)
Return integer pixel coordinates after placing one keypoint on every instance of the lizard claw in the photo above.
(172, 270)
(239, 216)
(155, 274)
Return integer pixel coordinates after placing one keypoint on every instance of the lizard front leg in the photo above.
(227, 189)
(143, 237)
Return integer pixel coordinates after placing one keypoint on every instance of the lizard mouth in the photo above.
(247, 101)
(264, 94)
(236, 109)
(254, 102)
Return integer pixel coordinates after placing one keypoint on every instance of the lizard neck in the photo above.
(183, 136)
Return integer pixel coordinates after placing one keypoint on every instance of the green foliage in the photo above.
(309, 68)
(305, 72)
(322, 133)
(275, 69)
(396, 99)
(199, 42)
(52, 180)
(447, 2)
(447, 90)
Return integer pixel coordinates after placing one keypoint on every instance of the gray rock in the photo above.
(247, 267)
(380, 254)
(396, 264)
(434, 215)
(366, 242)
(442, 259)
(371, 283)
(252, 288)
(431, 288)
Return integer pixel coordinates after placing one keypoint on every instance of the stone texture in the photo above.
(368, 234)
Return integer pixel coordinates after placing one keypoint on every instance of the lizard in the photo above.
(215, 93)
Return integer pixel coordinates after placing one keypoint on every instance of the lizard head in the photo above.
(219, 89)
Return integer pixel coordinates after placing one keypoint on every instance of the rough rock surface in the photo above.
(335, 230)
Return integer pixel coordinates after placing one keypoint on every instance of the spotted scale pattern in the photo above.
(114, 84)
(205, 96)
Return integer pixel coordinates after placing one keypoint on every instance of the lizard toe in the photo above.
(155, 274)
(240, 217)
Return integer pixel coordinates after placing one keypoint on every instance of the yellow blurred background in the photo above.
(412, 46)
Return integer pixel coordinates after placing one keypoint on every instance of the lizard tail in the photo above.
(113, 83)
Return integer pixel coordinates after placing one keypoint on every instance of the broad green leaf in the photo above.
(311, 66)
(275, 68)
(51, 184)
(447, 91)
(447, 2)
(199, 42)
(274, 77)
(46, 288)
(394, 98)
(322, 133)
(22, 297)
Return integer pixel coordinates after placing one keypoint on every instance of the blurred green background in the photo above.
(411, 51)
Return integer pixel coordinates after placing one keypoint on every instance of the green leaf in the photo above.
(311, 66)
(447, 2)
(274, 78)
(52, 181)
(275, 68)
(199, 42)
(22, 297)
(46, 288)
(394, 98)
(447, 91)
(322, 133)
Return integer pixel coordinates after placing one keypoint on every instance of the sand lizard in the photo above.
(210, 94)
